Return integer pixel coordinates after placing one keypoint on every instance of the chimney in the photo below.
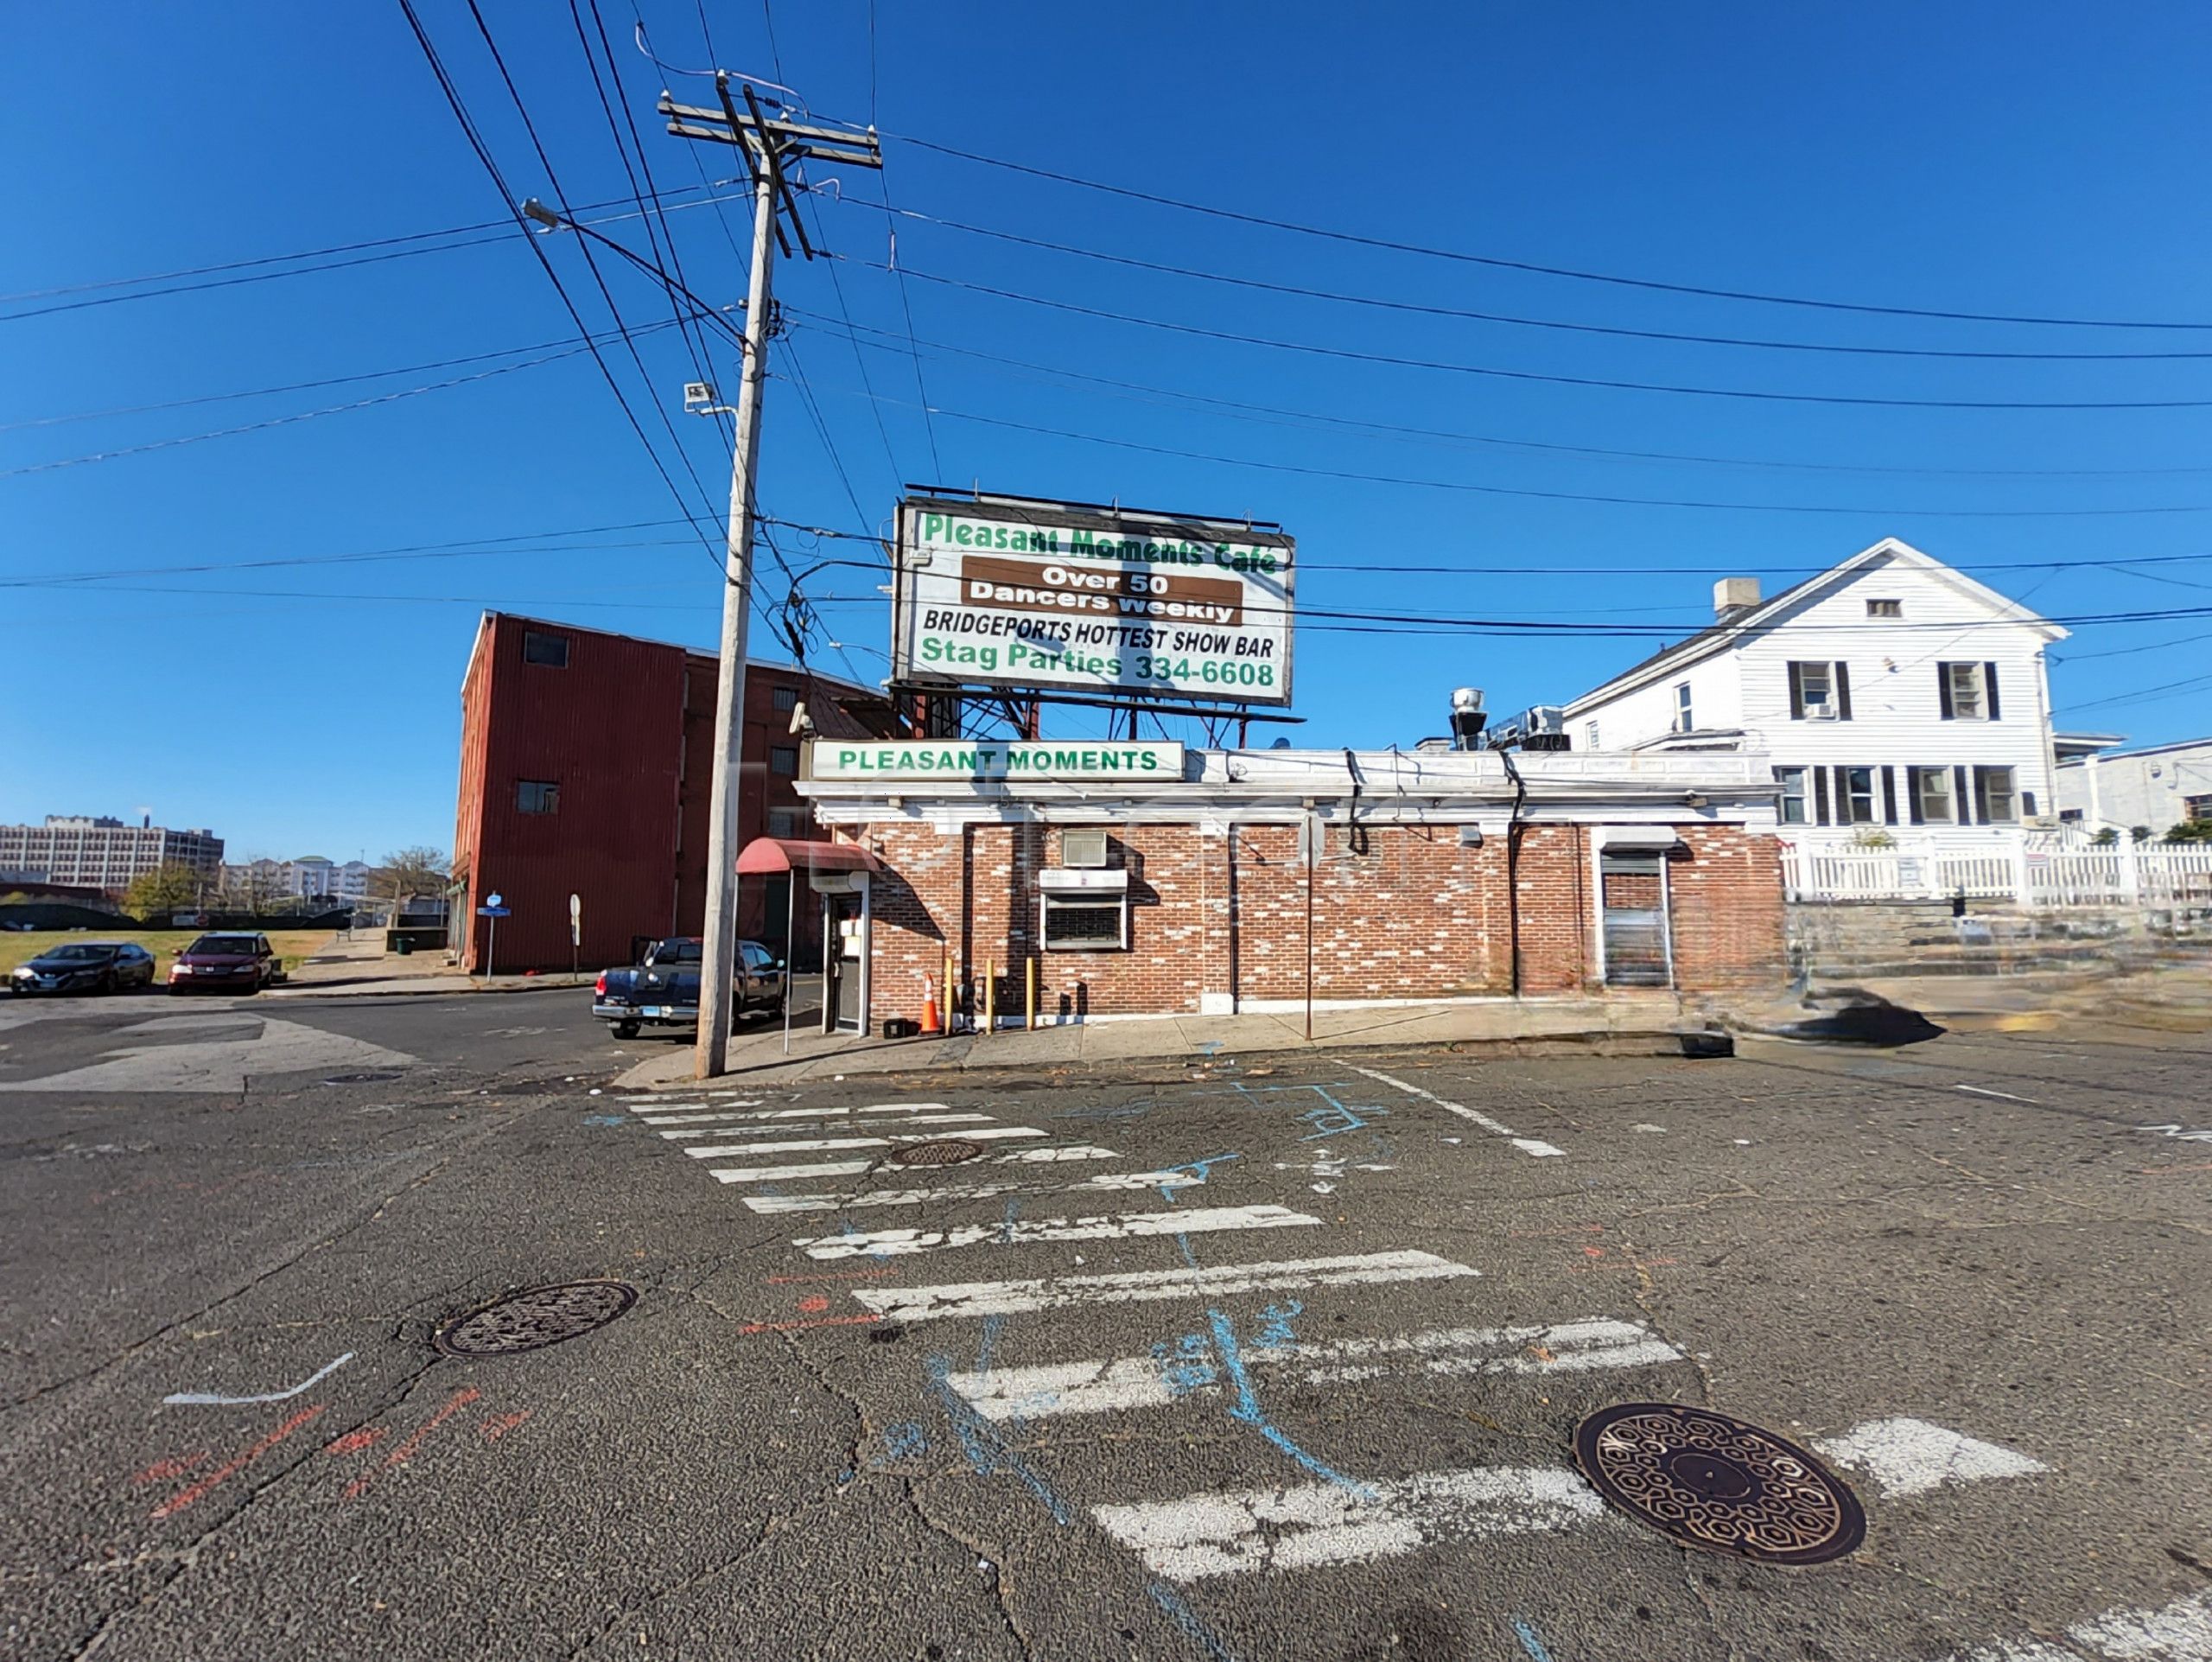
(1734, 595)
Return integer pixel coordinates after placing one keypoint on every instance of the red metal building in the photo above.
(584, 770)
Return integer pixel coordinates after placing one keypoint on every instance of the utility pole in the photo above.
(768, 147)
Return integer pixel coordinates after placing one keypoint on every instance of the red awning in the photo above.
(769, 854)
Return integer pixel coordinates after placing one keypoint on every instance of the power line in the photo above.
(303, 386)
(1352, 356)
(1499, 263)
(1422, 310)
(1471, 488)
(886, 340)
(300, 416)
(1636, 570)
(492, 168)
(553, 178)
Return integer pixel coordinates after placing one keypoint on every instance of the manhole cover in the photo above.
(535, 1317)
(945, 1151)
(1718, 1484)
(360, 1079)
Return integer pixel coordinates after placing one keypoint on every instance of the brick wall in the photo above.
(1399, 912)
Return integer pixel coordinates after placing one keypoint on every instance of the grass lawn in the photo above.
(293, 945)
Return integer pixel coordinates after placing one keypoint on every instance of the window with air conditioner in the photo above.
(1818, 691)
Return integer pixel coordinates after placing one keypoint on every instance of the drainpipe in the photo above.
(1514, 830)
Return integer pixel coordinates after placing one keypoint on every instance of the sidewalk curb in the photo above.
(397, 989)
(1697, 1043)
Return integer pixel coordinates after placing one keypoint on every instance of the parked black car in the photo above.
(86, 966)
(662, 990)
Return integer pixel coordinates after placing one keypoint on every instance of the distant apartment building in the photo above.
(309, 878)
(105, 854)
(2103, 788)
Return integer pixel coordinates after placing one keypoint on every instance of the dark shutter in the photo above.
(1843, 692)
(1912, 795)
(1989, 688)
(1961, 797)
(1797, 701)
(1820, 791)
(1943, 691)
(1981, 795)
(1889, 796)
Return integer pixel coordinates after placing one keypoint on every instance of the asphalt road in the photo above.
(1250, 1358)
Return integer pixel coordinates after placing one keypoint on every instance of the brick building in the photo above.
(584, 770)
(1140, 879)
(105, 854)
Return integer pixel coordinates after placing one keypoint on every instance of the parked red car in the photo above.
(226, 963)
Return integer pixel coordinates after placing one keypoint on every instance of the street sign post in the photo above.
(494, 907)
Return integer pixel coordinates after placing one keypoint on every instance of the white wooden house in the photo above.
(1902, 704)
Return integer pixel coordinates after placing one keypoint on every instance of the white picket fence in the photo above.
(2152, 876)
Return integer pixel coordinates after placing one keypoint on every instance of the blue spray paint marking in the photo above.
(1199, 1169)
(991, 1326)
(986, 1450)
(607, 1119)
(1336, 1118)
(904, 1440)
(1006, 1231)
(1211, 1047)
(1183, 1242)
(1276, 1321)
(1246, 1409)
(1535, 1647)
(1188, 1366)
(1184, 1617)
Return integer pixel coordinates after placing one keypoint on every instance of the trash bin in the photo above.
(406, 945)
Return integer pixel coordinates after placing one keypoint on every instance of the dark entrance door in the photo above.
(1638, 952)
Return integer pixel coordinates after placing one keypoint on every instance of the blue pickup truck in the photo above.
(662, 988)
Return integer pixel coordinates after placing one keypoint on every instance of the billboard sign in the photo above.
(1007, 592)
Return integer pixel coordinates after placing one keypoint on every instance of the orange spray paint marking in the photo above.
(353, 1441)
(161, 1470)
(402, 1454)
(176, 1503)
(819, 1322)
(497, 1427)
(813, 1305)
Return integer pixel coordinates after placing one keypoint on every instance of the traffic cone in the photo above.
(931, 1023)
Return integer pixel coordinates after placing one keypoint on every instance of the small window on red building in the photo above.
(538, 796)
(783, 760)
(783, 700)
(550, 650)
(785, 822)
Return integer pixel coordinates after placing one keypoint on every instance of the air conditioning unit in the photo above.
(1083, 849)
(1820, 712)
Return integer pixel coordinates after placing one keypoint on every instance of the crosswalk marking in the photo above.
(981, 1133)
(977, 1298)
(785, 1131)
(1907, 1456)
(791, 1113)
(1180, 1178)
(1154, 1381)
(855, 1167)
(1310, 1526)
(1527, 1145)
(1314, 1525)
(1027, 1231)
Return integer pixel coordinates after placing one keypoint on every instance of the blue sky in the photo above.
(1984, 159)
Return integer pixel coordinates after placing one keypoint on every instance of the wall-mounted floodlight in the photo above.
(698, 395)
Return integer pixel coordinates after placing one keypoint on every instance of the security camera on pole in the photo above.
(769, 147)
